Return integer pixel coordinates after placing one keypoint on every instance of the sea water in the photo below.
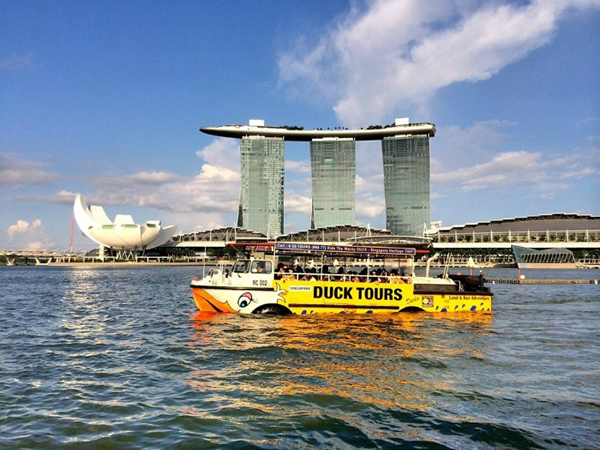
(120, 358)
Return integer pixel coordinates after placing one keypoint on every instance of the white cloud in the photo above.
(150, 178)
(582, 164)
(29, 236)
(212, 173)
(298, 166)
(214, 189)
(61, 197)
(371, 184)
(581, 173)
(205, 199)
(18, 171)
(295, 202)
(222, 152)
(397, 53)
(505, 172)
(22, 226)
(369, 207)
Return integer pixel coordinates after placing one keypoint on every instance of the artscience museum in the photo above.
(123, 235)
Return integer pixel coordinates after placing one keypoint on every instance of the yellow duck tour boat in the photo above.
(283, 278)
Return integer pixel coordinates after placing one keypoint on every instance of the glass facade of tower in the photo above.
(333, 162)
(406, 182)
(261, 198)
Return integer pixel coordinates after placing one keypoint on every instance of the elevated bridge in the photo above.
(41, 257)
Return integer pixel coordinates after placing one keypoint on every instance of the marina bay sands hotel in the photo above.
(405, 148)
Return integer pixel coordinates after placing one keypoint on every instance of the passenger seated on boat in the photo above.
(364, 274)
(341, 276)
(395, 277)
(289, 275)
(373, 278)
(310, 272)
(309, 275)
(280, 271)
(383, 276)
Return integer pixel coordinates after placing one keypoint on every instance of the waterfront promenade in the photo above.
(540, 281)
(66, 259)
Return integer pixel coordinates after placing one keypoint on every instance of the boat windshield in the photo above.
(262, 266)
(241, 266)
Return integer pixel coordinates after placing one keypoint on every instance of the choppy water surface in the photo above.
(102, 358)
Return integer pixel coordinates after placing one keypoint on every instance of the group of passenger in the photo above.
(378, 276)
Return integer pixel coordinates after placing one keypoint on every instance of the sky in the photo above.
(106, 98)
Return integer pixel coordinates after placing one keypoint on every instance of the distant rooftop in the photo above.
(400, 127)
(541, 222)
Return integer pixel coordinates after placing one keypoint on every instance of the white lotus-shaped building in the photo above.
(122, 234)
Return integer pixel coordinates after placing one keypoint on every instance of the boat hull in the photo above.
(334, 297)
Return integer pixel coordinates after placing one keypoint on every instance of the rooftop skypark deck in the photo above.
(293, 133)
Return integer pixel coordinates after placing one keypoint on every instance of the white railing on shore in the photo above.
(519, 237)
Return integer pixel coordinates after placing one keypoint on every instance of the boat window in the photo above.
(261, 267)
(241, 267)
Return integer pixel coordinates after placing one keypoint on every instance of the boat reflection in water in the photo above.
(286, 367)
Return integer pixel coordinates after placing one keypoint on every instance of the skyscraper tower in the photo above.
(261, 198)
(406, 183)
(405, 149)
(333, 162)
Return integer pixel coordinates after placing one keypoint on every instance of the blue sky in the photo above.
(105, 99)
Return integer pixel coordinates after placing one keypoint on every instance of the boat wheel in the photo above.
(279, 310)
